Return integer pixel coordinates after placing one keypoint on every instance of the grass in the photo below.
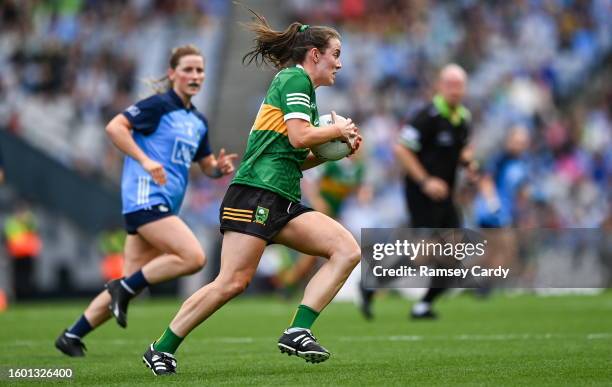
(522, 340)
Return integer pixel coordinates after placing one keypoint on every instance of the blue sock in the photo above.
(80, 328)
(135, 283)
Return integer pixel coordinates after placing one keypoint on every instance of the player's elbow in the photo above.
(112, 130)
(298, 142)
(399, 150)
(117, 126)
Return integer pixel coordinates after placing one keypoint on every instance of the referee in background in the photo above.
(430, 148)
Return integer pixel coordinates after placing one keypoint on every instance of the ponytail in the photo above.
(285, 48)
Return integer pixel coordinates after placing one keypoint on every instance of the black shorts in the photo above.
(257, 211)
(133, 220)
(427, 213)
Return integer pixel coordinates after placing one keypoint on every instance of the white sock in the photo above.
(295, 329)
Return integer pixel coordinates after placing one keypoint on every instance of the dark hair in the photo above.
(284, 48)
(164, 84)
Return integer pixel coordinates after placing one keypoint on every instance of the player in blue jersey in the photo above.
(504, 183)
(161, 136)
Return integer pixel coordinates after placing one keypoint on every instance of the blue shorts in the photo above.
(133, 220)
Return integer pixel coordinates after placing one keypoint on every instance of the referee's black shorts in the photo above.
(426, 213)
(257, 211)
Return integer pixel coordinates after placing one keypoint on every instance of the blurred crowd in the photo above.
(68, 66)
(543, 65)
(541, 68)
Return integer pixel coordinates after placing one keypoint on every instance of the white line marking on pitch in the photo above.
(597, 336)
(478, 337)
(463, 337)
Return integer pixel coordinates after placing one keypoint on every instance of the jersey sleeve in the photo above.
(144, 116)
(204, 146)
(295, 98)
(412, 134)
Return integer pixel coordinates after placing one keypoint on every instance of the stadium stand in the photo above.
(67, 67)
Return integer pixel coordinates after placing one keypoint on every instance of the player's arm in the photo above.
(119, 132)
(295, 105)
(410, 142)
(467, 159)
(410, 163)
(487, 188)
(311, 162)
(211, 166)
(216, 167)
(303, 135)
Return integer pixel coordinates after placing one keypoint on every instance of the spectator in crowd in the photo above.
(23, 245)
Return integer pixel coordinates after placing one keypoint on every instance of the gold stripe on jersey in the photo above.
(270, 118)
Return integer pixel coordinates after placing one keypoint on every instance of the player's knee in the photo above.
(200, 261)
(238, 286)
(235, 286)
(194, 261)
(350, 253)
(354, 256)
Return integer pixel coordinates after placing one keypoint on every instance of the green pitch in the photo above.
(523, 340)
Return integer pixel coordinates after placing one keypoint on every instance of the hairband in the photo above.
(304, 27)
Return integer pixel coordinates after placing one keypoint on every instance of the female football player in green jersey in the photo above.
(262, 205)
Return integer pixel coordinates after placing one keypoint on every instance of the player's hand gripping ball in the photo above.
(332, 150)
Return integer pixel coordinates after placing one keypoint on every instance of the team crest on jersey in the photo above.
(189, 126)
(445, 138)
(261, 215)
(183, 152)
(133, 110)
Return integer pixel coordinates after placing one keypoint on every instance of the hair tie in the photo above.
(304, 27)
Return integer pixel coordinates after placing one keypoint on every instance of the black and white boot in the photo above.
(120, 298)
(70, 344)
(303, 344)
(161, 363)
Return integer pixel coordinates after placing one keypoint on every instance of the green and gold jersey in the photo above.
(270, 161)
